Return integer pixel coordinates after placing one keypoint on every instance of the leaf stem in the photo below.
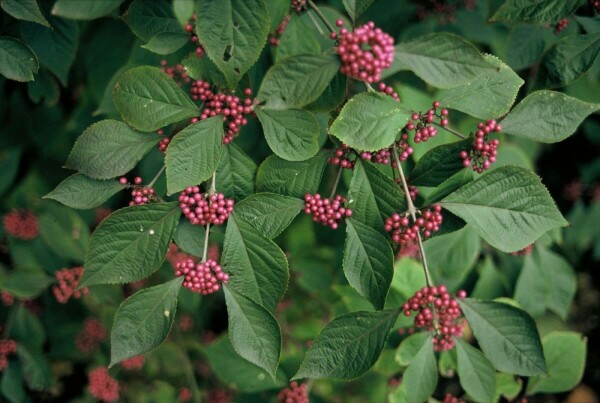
(315, 23)
(158, 174)
(321, 16)
(451, 130)
(205, 250)
(369, 87)
(412, 211)
(335, 185)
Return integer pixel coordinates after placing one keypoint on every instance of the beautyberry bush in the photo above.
(299, 200)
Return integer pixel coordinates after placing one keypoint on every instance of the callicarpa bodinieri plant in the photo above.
(288, 200)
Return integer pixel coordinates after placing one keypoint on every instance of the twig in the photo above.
(451, 130)
(158, 174)
(335, 185)
(321, 16)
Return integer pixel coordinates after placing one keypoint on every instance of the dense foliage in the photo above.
(277, 200)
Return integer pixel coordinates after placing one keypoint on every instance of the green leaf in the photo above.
(547, 281)
(355, 8)
(55, 48)
(535, 10)
(509, 207)
(489, 96)
(298, 38)
(442, 60)
(269, 213)
(373, 196)
(183, 10)
(439, 164)
(25, 283)
(421, 376)
(64, 232)
(289, 178)
(190, 238)
(348, 346)
(143, 321)
(233, 370)
(36, 366)
(148, 99)
(370, 121)
(254, 332)
(27, 328)
(233, 34)
(297, 81)
(108, 149)
(84, 9)
(292, 134)
(235, 173)
(368, 262)
(565, 353)
(410, 347)
(130, 244)
(475, 372)
(165, 43)
(452, 256)
(492, 283)
(332, 97)
(12, 384)
(507, 385)
(80, 192)
(148, 18)
(194, 154)
(525, 45)
(547, 116)
(202, 68)
(568, 60)
(450, 185)
(17, 61)
(507, 335)
(256, 265)
(26, 10)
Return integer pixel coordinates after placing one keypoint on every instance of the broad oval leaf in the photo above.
(373, 196)
(235, 173)
(25, 283)
(26, 10)
(108, 149)
(65, 232)
(507, 335)
(292, 134)
(256, 265)
(475, 372)
(17, 61)
(368, 262)
(298, 38)
(233, 34)
(84, 9)
(130, 244)
(439, 164)
(148, 99)
(421, 376)
(80, 192)
(535, 10)
(409, 347)
(291, 178)
(147, 18)
(489, 96)
(547, 116)
(568, 59)
(165, 43)
(269, 213)
(565, 353)
(355, 8)
(442, 60)
(253, 331)
(509, 207)
(143, 321)
(297, 81)
(370, 121)
(348, 346)
(524, 45)
(190, 238)
(194, 154)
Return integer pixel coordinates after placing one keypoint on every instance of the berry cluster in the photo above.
(409, 249)
(102, 386)
(293, 394)
(383, 156)
(89, 339)
(194, 38)
(325, 211)
(448, 398)
(7, 347)
(176, 255)
(402, 230)
(203, 278)
(299, 5)
(342, 157)
(595, 4)
(405, 149)
(163, 144)
(365, 53)
(436, 311)
(483, 152)
(388, 90)
(176, 73)
(413, 192)
(68, 281)
(202, 208)
(21, 224)
(275, 36)
(422, 123)
(134, 363)
(231, 107)
(139, 195)
(561, 25)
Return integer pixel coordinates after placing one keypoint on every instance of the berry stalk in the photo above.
(336, 183)
(158, 174)
(321, 16)
(451, 130)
